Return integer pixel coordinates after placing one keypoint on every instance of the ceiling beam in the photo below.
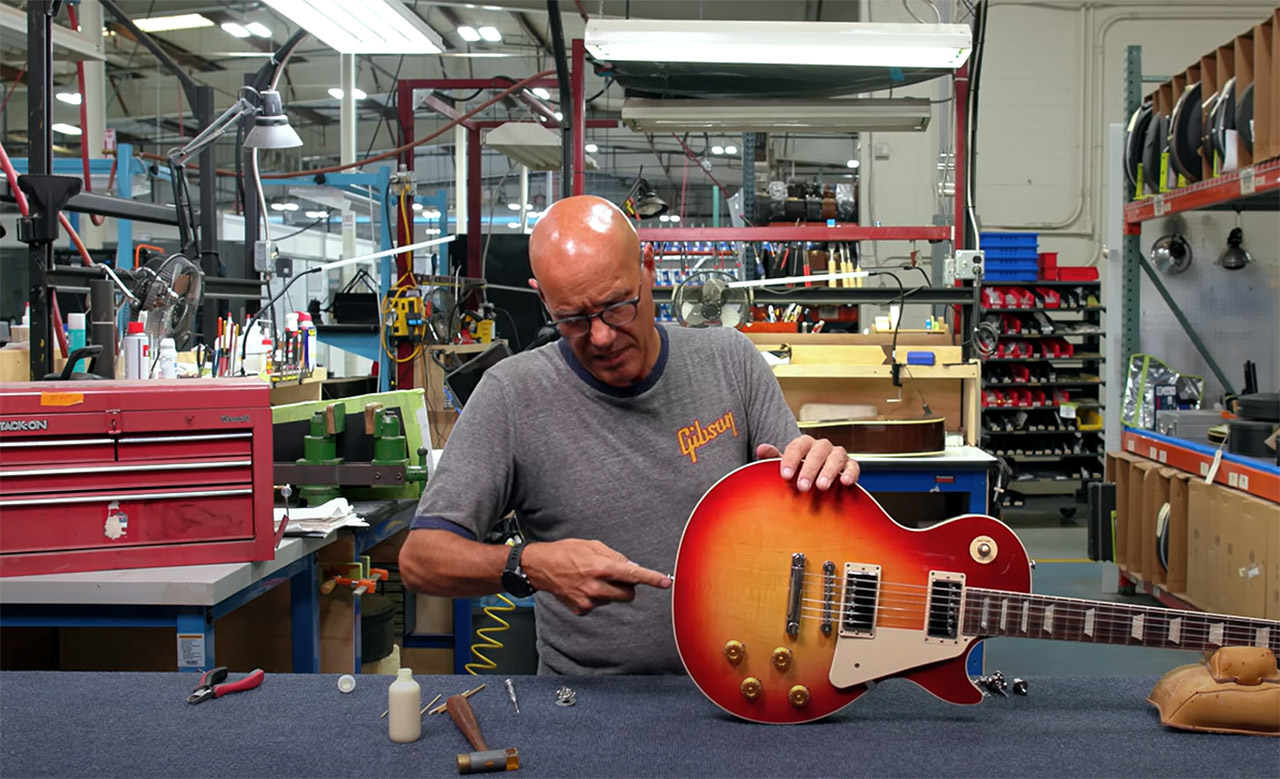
(532, 32)
(179, 54)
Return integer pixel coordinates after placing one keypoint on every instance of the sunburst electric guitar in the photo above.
(789, 605)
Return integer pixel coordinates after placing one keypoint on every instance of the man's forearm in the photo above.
(437, 562)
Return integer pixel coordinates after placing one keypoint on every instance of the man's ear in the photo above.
(646, 260)
(533, 284)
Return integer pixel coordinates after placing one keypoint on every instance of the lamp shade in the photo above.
(643, 202)
(271, 128)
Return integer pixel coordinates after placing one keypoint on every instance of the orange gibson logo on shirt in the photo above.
(695, 436)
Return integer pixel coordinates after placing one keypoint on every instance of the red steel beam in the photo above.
(1250, 181)
(796, 233)
(578, 113)
(961, 122)
(441, 106)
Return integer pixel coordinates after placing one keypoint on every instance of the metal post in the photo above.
(748, 200)
(208, 247)
(1130, 281)
(39, 161)
(102, 328)
(578, 115)
(474, 186)
(524, 198)
(961, 150)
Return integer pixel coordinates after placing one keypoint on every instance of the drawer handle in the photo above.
(116, 466)
(169, 439)
(56, 442)
(124, 496)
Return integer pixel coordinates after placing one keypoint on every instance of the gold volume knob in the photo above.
(750, 688)
(781, 658)
(799, 696)
(734, 651)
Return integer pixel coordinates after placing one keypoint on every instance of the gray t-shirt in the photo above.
(575, 458)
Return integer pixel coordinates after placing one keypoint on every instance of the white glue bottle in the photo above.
(166, 360)
(135, 352)
(404, 707)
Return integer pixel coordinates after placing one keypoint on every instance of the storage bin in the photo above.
(989, 241)
(1080, 273)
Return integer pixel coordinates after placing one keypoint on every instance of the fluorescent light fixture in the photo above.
(664, 218)
(356, 92)
(178, 22)
(417, 206)
(431, 213)
(513, 225)
(591, 148)
(468, 34)
(852, 164)
(857, 44)
(490, 34)
(675, 217)
(432, 231)
(837, 115)
(717, 150)
(65, 129)
(277, 207)
(362, 26)
(541, 93)
(731, 149)
(236, 30)
(529, 144)
(74, 98)
(317, 214)
(259, 29)
(559, 116)
(513, 206)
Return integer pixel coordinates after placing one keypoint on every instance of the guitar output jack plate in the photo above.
(983, 550)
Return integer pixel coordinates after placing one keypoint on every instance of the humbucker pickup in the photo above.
(861, 600)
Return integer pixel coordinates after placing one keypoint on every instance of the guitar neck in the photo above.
(993, 613)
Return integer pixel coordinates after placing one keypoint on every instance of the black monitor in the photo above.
(462, 381)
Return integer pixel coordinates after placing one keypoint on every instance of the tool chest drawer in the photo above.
(49, 522)
(68, 479)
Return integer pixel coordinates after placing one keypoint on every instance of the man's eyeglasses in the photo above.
(614, 315)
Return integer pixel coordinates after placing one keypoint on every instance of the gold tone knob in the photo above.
(799, 696)
(750, 688)
(781, 658)
(734, 651)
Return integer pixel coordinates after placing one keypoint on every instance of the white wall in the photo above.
(1052, 81)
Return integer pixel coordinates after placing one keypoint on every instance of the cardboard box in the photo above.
(1179, 490)
(1117, 472)
(1155, 495)
(427, 373)
(1202, 544)
(1134, 550)
(1233, 542)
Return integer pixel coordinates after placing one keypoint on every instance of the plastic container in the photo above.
(166, 360)
(135, 352)
(1049, 266)
(1011, 240)
(308, 327)
(404, 707)
(1077, 273)
(76, 339)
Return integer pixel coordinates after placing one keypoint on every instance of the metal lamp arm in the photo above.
(216, 128)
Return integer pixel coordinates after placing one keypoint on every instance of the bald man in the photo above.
(602, 444)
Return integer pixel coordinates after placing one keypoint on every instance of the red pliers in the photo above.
(212, 684)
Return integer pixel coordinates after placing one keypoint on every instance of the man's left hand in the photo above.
(813, 462)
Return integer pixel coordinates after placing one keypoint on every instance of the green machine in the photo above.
(385, 456)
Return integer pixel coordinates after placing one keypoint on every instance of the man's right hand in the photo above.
(585, 574)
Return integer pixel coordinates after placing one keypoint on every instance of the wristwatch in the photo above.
(513, 578)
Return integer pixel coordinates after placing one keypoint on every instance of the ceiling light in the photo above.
(417, 206)
(317, 214)
(236, 29)
(259, 29)
(675, 217)
(559, 116)
(852, 164)
(432, 231)
(73, 98)
(513, 206)
(664, 218)
(839, 115)
(277, 207)
(859, 44)
(362, 26)
(513, 225)
(167, 23)
(717, 150)
(271, 128)
(541, 93)
(468, 34)
(431, 213)
(591, 148)
(65, 129)
(731, 150)
(356, 92)
(490, 34)
(529, 144)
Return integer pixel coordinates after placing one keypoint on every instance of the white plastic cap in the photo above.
(168, 343)
(74, 321)
(346, 683)
(291, 321)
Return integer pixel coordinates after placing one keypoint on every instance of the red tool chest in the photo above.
(98, 475)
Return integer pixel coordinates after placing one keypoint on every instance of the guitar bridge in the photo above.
(861, 600)
(795, 590)
(828, 596)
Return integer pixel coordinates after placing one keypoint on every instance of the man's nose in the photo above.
(602, 334)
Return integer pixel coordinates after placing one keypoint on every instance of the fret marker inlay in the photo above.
(1262, 637)
(1004, 613)
(1216, 632)
(1048, 619)
(1089, 617)
(1025, 616)
(986, 608)
(1175, 630)
(1137, 626)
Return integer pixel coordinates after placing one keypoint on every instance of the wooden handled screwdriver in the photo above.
(483, 759)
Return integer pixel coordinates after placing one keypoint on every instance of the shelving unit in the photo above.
(1040, 440)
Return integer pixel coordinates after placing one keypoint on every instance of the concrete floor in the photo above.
(1059, 546)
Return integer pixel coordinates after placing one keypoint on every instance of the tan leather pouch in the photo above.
(1235, 690)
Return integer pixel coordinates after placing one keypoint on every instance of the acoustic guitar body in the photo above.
(883, 437)
(768, 582)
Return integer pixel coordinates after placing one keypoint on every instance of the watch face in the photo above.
(516, 584)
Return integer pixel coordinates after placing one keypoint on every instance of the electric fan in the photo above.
(169, 291)
(707, 299)
(444, 316)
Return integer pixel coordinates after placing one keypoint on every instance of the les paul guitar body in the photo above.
(787, 605)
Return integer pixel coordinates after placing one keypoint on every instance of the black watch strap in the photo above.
(513, 578)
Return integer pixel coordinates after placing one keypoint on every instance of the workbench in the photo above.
(185, 598)
(118, 724)
(961, 469)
